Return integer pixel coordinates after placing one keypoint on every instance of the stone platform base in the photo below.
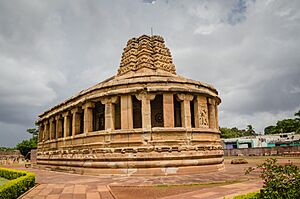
(136, 171)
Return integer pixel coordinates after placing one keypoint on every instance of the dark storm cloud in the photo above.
(52, 50)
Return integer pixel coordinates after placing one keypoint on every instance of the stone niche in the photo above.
(145, 120)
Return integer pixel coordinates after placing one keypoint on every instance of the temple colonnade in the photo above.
(126, 112)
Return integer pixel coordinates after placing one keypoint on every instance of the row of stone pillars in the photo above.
(80, 119)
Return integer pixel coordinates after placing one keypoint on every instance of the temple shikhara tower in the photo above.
(145, 120)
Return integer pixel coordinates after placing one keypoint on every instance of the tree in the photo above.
(250, 130)
(285, 126)
(270, 130)
(235, 132)
(33, 131)
(297, 114)
(229, 133)
(26, 145)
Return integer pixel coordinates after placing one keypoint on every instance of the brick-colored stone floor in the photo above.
(63, 186)
(219, 192)
(69, 191)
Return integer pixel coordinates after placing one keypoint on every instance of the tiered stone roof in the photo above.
(146, 52)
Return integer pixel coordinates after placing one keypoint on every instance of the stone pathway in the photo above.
(69, 191)
(219, 192)
(61, 185)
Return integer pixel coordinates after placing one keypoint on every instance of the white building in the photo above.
(282, 139)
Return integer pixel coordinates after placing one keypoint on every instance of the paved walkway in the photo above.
(219, 192)
(59, 185)
(69, 191)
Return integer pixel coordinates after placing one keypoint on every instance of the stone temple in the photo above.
(145, 120)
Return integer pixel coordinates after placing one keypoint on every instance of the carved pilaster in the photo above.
(66, 124)
(46, 130)
(146, 109)
(58, 126)
(185, 109)
(201, 112)
(126, 112)
(109, 112)
(52, 128)
(41, 132)
(76, 121)
(212, 113)
(168, 106)
(217, 117)
(88, 117)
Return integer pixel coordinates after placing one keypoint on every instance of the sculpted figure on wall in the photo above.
(203, 116)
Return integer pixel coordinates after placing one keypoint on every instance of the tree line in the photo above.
(282, 126)
(235, 132)
(285, 126)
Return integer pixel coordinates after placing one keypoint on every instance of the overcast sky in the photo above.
(50, 50)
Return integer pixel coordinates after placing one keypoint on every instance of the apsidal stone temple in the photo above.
(145, 120)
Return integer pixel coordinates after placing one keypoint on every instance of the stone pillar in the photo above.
(216, 116)
(212, 113)
(168, 106)
(58, 127)
(126, 112)
(88, 117)
(46, 130)
(75, 121)
(185, 109)
(41, 132)
(146, 109)
(109, 112)
(197, 109)
(52, 128)
(66, 124)
(201, 112)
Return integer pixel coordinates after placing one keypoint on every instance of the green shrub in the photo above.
(11, 174)
(279, 181)
(20, 182)
(252, 195)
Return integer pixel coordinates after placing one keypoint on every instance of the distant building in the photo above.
(282, 139)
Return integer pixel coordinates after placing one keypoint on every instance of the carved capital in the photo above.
(184, 97)
(145, 96)
(202, 100)
(66, 114)
(76, 110)
(211, 101)
(88, 105)
(110, 100)
(46, 122)
(57, 117)
(51, 119)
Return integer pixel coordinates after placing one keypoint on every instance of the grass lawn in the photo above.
(3, 181)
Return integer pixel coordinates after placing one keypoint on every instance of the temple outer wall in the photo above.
(264, 151)
(11, 157)
(129, 151)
